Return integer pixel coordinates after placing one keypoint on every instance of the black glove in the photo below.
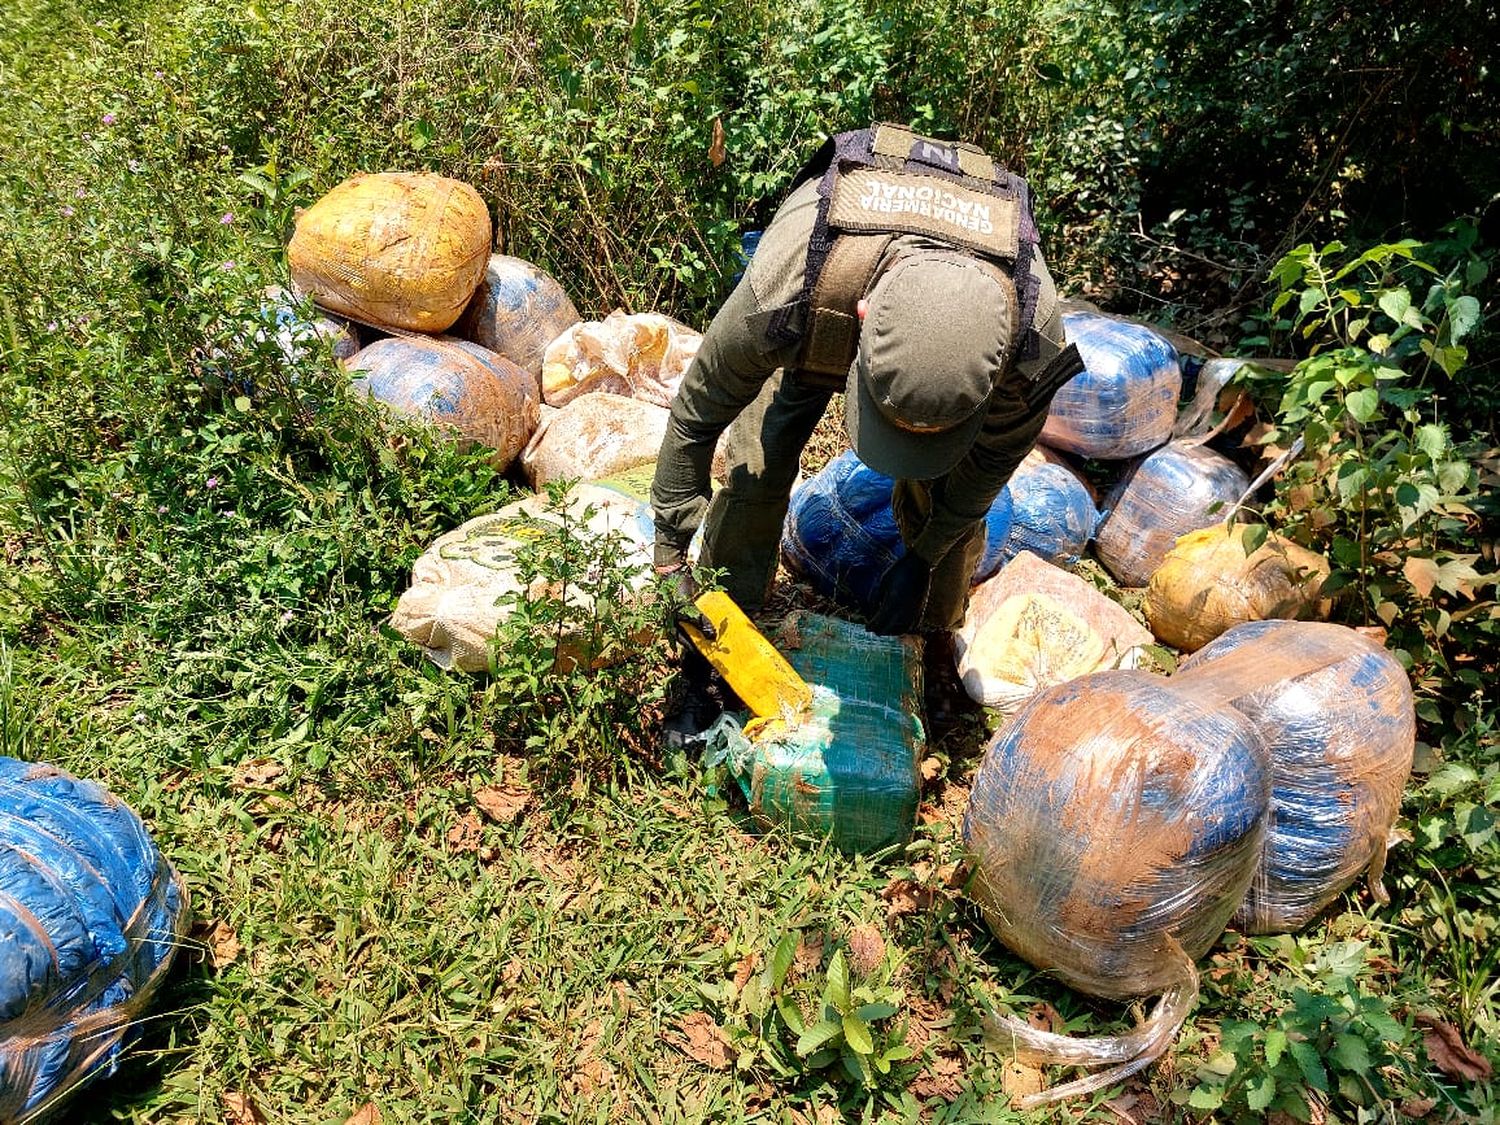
(681, 611)
(902, 596)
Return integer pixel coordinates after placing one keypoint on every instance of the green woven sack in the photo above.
(849, 768)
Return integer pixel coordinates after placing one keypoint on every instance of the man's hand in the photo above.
(680, 608)
(902, 596)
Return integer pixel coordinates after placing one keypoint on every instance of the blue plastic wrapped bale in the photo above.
(841, 534)
(1116, 822)
(847, 769)
(1337, 714)
(456, 385)
(1125, 401)
(91, 915)
(298, 336)
(1052, 514)
(1178, 489)
(517, 311)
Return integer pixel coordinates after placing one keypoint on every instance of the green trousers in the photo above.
(742, 531)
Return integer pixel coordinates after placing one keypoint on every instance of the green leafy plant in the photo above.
(580, 659)
(1332, 1042)
(1383, 486)
(795, 1018)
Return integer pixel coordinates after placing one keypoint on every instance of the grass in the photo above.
(194, 583)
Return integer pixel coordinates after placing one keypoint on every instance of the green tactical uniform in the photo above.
(746, 375)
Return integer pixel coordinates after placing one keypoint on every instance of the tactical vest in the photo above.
(886, 181)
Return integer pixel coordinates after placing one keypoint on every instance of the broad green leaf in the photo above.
(1253, 537)
(1308, 300)
(792, 1015)
(1352, 297)
(817, 1035)
(1395, 303)
(1432, 440)
(1451, 778)
(876, 1011)
(1463, 317)
(1275, 1045)
(782, 958)
(1362, 404)
(1260, 1092)
(1206, 1097)
(1310, 1064)
(837, 991)
(857, 1035)
(1351, 1052)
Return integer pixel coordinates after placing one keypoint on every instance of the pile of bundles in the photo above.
(91, 917)
(1119, 821)
(486, 346)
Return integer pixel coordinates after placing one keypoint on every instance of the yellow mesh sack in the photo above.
(1206, 585)
(400, 250)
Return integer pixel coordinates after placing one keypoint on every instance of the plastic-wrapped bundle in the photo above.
(1178, 489)
(1033, 626)
(453, 605)
(1115, 823)
(454, 384)
(841, 534)
(643, 355)
(1125, 401)
(517, 311)
(91, 915)
(1336, 712)
(595, 436)
(1052, 514)
(1207, 584)
(396, 249)
(848, 768)
(296, 336)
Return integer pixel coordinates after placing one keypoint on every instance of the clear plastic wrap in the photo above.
(1052, 514)
(1178, 489)
(848, 768)
(455, 385)
(1207, 584)
(395, 249)
(841, 534)
(1125, 401)
(517, 311)
(1115, 824)
(1116, 820)
(594, 436)
(92, 915)
(1336, 712)
(642, 355)
(1033, 626)
(452, 607)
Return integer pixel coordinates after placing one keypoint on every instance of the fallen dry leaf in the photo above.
(465, 835)
(1019, 1080)
(939, 1078)
(1044, 1017)
(745, 971)
(809, 954)
(222, 943)
(1448, 1052)
(502, 803)
(902, 897)
(240, 1110)
(716, 144)
(259, 774)
(1418, 1107)
(866, 949)
(702, 1040)
(367, 1114)
(932, 769)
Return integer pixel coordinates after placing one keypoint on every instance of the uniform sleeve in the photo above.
(1011, 427)
(733, 363)
(724, 378)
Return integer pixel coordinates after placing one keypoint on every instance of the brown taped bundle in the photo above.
(1207, 584)
(395, 249)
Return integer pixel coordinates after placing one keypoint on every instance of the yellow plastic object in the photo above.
(759, 674)
(394, 249)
